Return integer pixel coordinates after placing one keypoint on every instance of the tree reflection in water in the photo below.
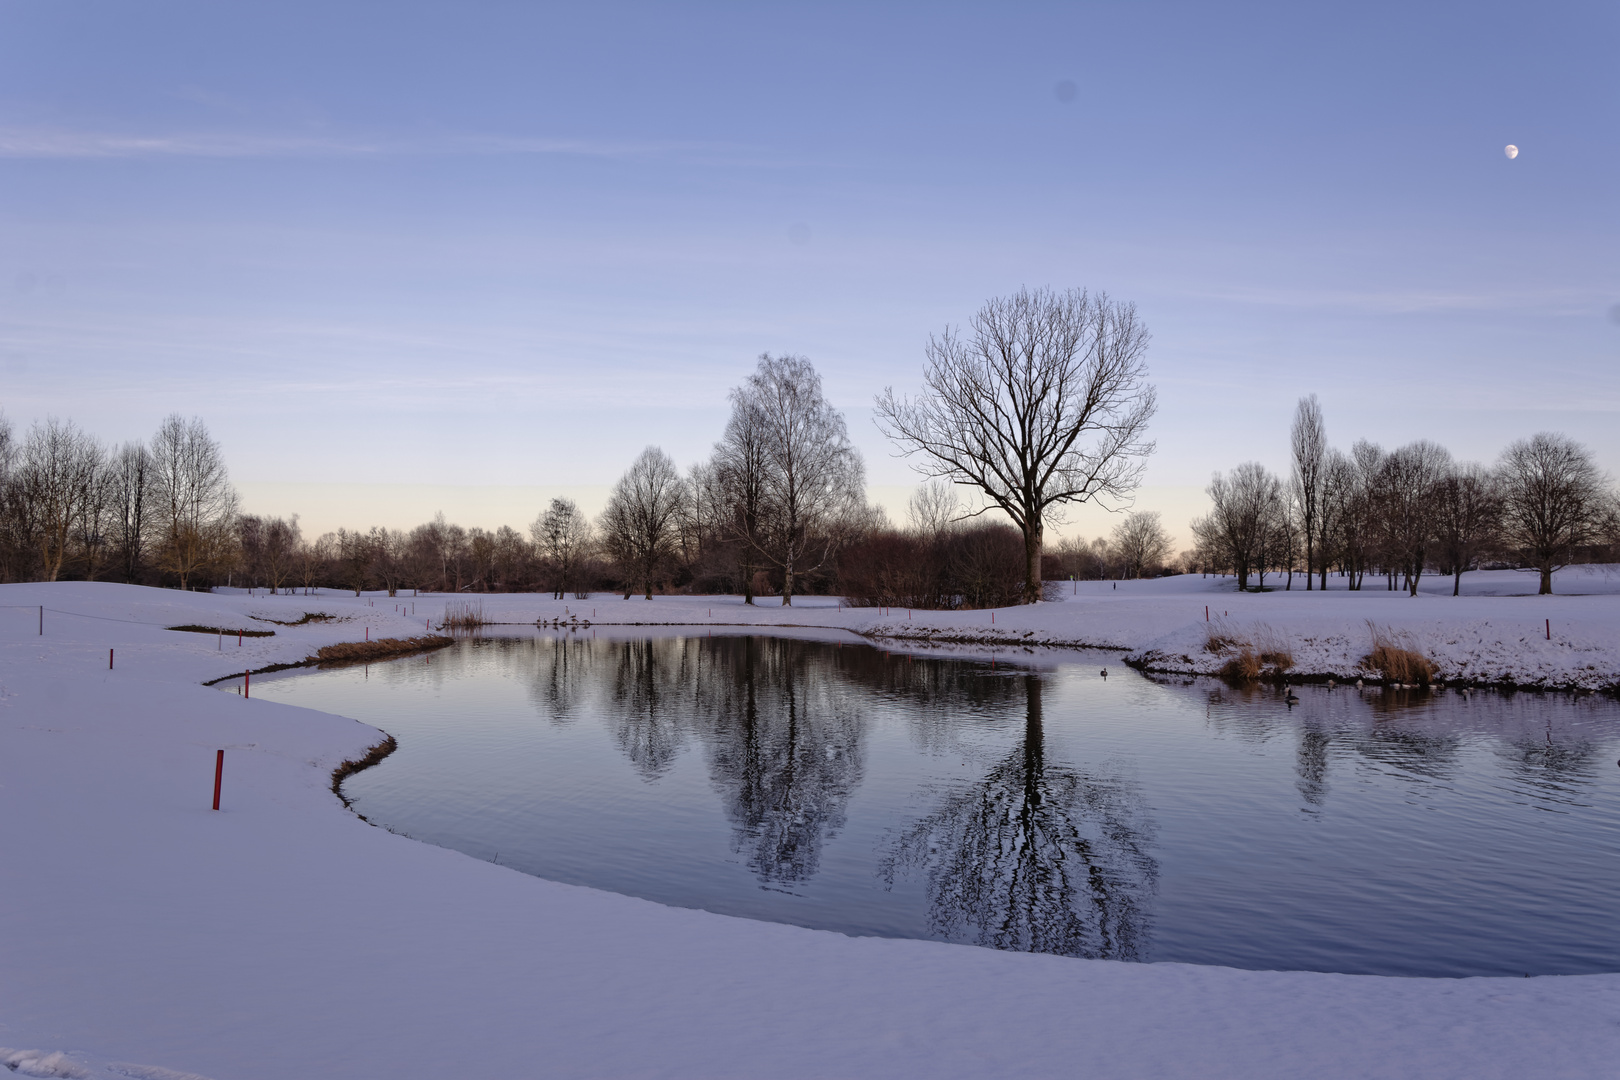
(1036, 857)
(653, 682)
(780, 734)
(784, 750)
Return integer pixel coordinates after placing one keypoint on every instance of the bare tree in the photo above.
(638, 526)
(195, 504)
(281, 541)
(1468, 509)
(741, 464)
(815, 483)
(1405, 498)
(1142, 543)
(933, 509)
(354, 559)
(563, 537)
(1308, 443)
(317, 560)
(1554, 500)
(1246, 508)
(1348, 511)
(387, 549)
(1044, 402)
(131, 478)
(56, 477)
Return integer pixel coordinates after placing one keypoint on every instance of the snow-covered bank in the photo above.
(1497, 633)
(283, 937)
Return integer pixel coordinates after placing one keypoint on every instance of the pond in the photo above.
(1019, 801)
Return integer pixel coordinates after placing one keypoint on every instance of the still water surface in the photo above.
(1031, 804)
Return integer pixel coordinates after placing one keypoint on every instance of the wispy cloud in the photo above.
(58, 143)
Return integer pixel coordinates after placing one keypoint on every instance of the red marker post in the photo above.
(219, 774)
(109, 659)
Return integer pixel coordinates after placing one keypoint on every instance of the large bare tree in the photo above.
(1554, 500)
(639, 525)
(1044, 401)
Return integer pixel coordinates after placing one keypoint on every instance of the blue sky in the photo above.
(404, 257)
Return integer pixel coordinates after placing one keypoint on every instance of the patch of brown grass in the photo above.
(190, 628)
(309, 617)
(1394, 658)
(1244, 667)
(381, 649)
(349, 768)
(1260, 651)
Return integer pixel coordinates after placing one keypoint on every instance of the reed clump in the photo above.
(1394, 658)
(1259, 652)
(464, 615)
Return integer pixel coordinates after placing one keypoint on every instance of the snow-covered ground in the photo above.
(283, 937)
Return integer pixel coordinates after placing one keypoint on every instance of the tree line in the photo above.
(1542, 505)
(73, 507)
(1041, 402)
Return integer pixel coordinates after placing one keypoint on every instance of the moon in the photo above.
(1511, 151)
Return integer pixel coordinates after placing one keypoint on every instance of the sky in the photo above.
(404, 258)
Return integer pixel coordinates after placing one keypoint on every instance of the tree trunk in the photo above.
(1456, 583)
(1546, 579)
(1032, 561)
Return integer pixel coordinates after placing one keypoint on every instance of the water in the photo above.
(1027, 805)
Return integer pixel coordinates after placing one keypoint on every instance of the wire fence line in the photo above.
(80, 615)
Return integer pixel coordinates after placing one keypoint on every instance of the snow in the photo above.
(282, 936)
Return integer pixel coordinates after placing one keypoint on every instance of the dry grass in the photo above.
(1394, 658)
(381, 649)
(349, 768)
(464, 615)
(227, 631)
(1260, 651)
(1244, 667)
(309, 617)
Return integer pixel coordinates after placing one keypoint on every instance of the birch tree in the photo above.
(814, 483)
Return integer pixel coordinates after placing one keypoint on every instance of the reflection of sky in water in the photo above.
(841, 787)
